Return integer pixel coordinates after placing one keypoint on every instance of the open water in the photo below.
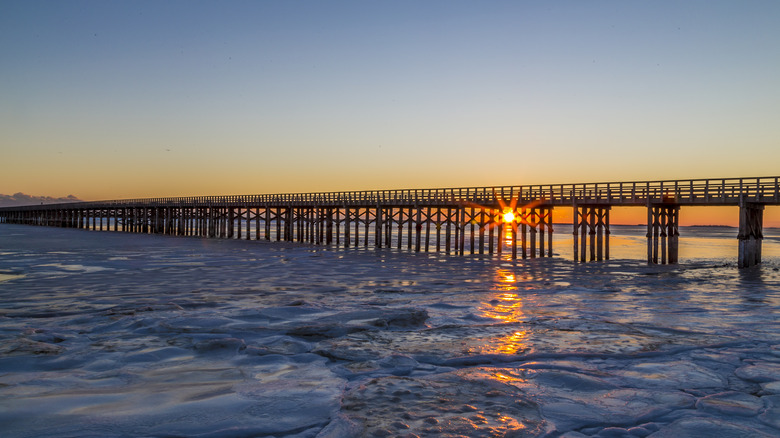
(111, 334)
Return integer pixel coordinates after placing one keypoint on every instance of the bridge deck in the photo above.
(724, 191)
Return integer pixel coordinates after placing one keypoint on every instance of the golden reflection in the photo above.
(505, 280)
(504, 375)
(501, 377)
(505, 306)
(509, 236)
(511, 423)
(512, 344)
(509, 278)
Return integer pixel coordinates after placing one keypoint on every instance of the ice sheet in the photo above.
(112, 334)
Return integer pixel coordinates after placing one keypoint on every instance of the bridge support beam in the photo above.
(751, 221)
(591, 221)
(663, 221)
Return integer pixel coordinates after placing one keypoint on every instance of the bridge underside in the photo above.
(453, 228)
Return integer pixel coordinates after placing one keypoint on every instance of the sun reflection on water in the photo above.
(505, 306)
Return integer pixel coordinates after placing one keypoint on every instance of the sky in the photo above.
(127, 99)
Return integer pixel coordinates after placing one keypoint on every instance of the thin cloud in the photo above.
(18, 199)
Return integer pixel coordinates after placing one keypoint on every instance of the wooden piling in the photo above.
(750, 235)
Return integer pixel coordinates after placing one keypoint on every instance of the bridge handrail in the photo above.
(719, 190)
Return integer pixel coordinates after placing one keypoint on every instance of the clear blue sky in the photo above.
(115, 99)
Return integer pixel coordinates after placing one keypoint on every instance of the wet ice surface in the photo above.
(109, 334)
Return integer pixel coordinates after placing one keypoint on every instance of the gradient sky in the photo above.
(106, 100)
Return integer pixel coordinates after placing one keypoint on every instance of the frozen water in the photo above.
(112, 334)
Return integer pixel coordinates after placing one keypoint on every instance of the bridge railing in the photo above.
(723, 191)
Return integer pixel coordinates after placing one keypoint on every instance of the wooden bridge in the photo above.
(456, 220)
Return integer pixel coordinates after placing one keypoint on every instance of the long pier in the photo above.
(516, 220)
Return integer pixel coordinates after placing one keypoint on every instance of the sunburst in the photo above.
(508, 212)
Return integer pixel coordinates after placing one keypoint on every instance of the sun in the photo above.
(509, 217)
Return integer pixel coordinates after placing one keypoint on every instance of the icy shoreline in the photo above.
(108, 334)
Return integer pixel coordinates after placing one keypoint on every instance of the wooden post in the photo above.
(649, 232)
(400, 224)
(550, 232)
(378, 227)
(418, 228)
(268, 219)
(427, 228)
(542, 229)
(289, 221)
(280, 231)
(592, 233)
(462, 228)
(366, 224)
(491, 226)
(308, 224)
(600, 235)
(409, 227)
(481, 230)
(257, 223)
(347, 223)
(438, 229)
(673, 233)
(391, 212)
(514, 237)
(751, 234)
(329, 226)
(338, 226)
(656, 226)
(248, 223)
(472, 222)
(664, 214)
(533, 222)
(230, 224)
(500, 226)
(357, 227)
(524, 232)
(448, 230)
(607, 233)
